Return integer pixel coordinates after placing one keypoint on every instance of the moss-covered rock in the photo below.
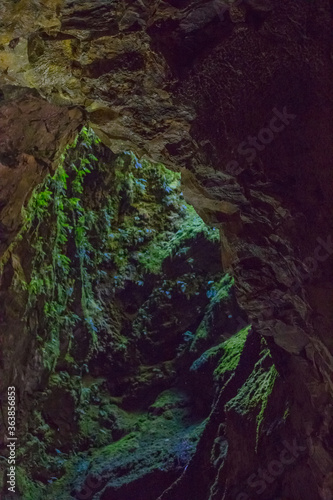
(159, 444)
(123, 291)
(252, 398)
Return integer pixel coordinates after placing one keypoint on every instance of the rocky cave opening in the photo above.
(127, 328)
(142, 367)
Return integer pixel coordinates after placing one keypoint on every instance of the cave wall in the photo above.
(108, 249)
(193, 84)
(30, 127)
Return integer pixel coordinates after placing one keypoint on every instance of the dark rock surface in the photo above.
(239, 98)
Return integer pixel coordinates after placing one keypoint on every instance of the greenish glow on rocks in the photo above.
(232, 350)
(219, 293)
(162, 247)
(253, 396)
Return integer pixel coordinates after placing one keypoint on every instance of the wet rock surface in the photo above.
(239, 99)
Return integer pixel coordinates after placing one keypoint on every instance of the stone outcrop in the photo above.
(30, 127)
(239, 94)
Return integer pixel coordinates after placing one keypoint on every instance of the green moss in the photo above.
(208, 356)
(168, 399)
(141, 219)
(75, 467)
(201, 333)
(54, 213)
(268, 383)
(90, 431)
(95, 228)
(232, 350)
(162, 438)
(286, 414)
(228, 353)
(29, 490)
(163, 247)
(154, 445)
(218, 293)
(254, 395)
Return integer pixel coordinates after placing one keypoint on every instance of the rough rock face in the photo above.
(109, 248)
(29, 129)
(238, 96)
